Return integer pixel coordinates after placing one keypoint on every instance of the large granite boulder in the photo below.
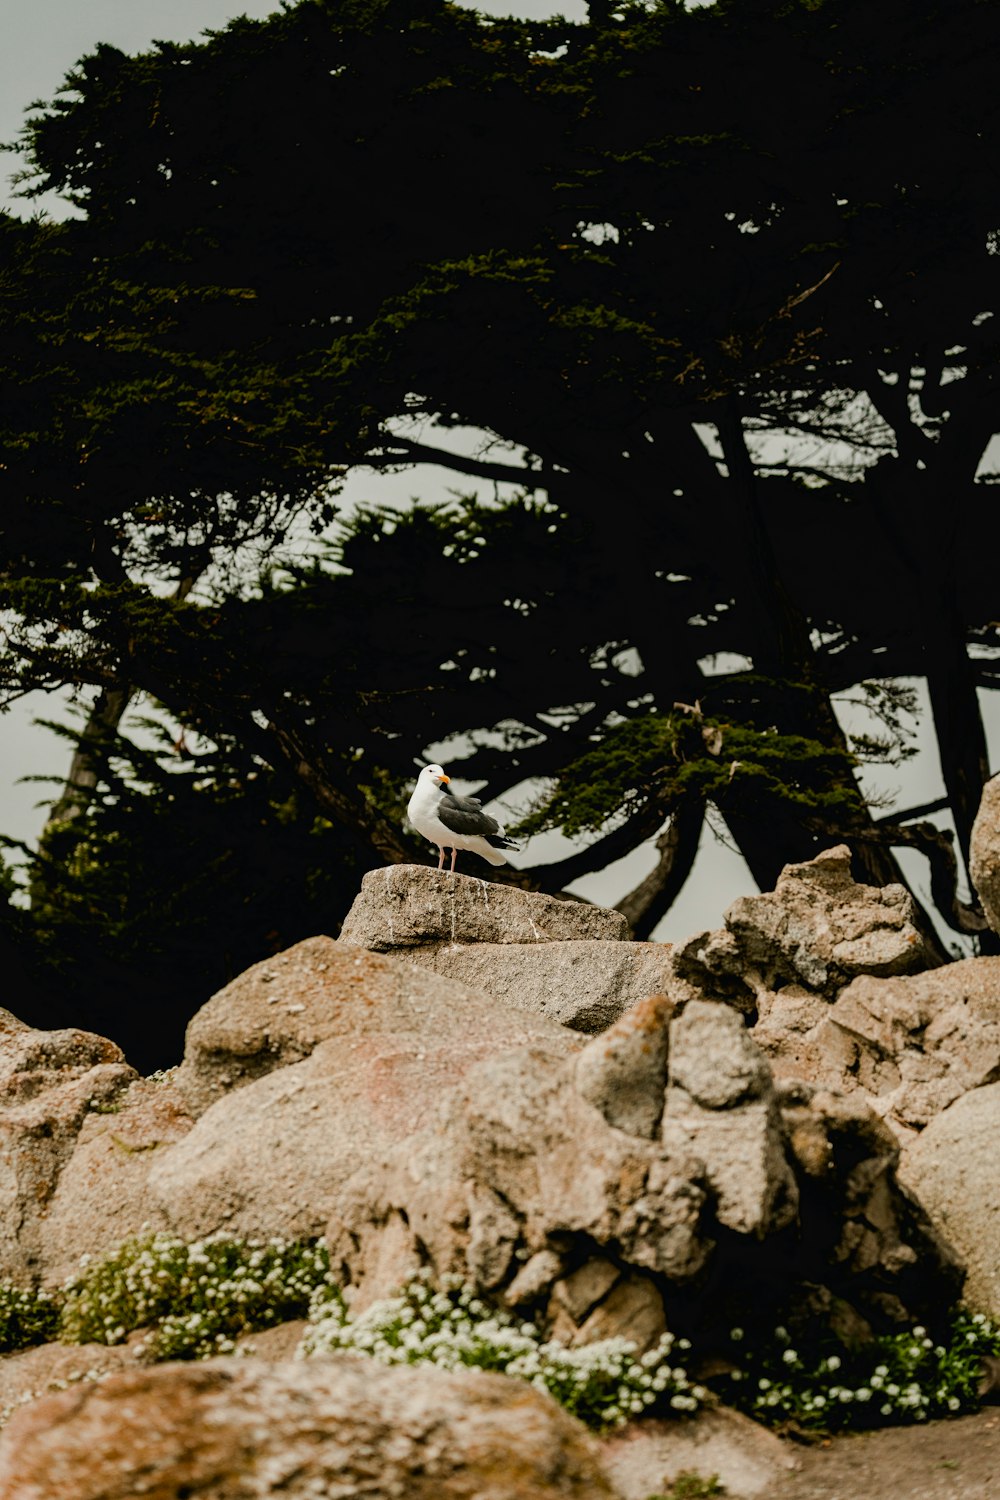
(565, 959)
(984, 862)
(243, 1430)
(952, 1168)
(293, 1075)
(277, 1013)
(359, 1051)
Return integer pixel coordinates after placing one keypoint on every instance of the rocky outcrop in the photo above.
(293, 1076)
(984, 861)
(50, 1081)
(818, 929)
(564, 959)
(279, 1012)
(951, 1167)
(596, 1207)
(710, 1156)
(365, 1054)
(911, 1045)
(236, 1430)
(415, 1121)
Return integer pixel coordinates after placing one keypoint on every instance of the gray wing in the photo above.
(463, 815)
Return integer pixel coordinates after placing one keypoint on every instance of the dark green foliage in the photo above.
(900, 1377)
(593, 243)
(26, 1318)
(181, 873)
(662, 758)
(196, 1298)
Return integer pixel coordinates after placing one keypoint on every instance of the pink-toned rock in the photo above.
(244, 1430)
(951, 1167)
(49, 1082)
(277, 1013)
(646, 1458)
(382, 1042)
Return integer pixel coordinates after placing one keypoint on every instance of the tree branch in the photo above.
(937, 845)
(424, 453)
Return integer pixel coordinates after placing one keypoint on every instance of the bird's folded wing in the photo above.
(468, 820)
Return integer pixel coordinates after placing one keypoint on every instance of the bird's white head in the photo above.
(435, 775)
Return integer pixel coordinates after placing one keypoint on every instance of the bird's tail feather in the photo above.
(494, 856)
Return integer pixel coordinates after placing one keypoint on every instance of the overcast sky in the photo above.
(42, 41)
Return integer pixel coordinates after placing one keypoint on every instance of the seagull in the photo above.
(455, 822)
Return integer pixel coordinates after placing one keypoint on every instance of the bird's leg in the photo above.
(454, 854)
(441, 858)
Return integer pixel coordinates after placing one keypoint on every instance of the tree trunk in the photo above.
(653, 897)
(85, 766)
(784, 652)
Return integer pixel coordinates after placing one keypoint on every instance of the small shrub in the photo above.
(196, 1297)
(26, 1318)
(902, 1377)
(691, 1486)
(604, 1384)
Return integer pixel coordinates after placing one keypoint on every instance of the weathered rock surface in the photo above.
(818, 928)
(645, 1458)
(277, 1013)
(721, 1108)
(586, 985)
(547, 1181)
(912, 1045)
(383, 1044)
(49, 1368)
(564, 959)
(101, 1196)
(984, 861)
(227, 1430)
(403, 906)
(623, 1073)
(521, 1164)
(49, 1082)
(952, 1167)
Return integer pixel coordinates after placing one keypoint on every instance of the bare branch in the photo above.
(403, 451)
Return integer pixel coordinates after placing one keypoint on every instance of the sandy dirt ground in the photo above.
(957, 1460)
